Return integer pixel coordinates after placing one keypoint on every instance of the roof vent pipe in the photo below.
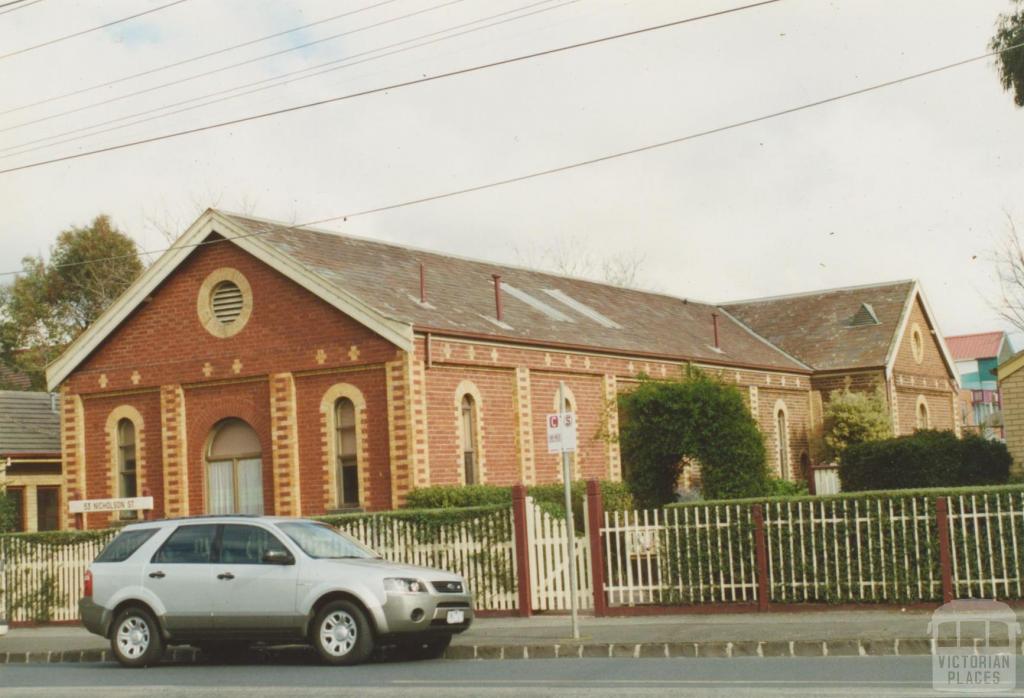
(499, 311)
(714, 323)
(423, 283)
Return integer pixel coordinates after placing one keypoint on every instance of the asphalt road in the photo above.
(835, 676)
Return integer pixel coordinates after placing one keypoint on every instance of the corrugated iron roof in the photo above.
(825, 329)
(460, 300)
(982, 345)
(29, 422)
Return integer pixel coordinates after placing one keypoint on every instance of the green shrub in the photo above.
(853, 418)
(984, 462)
(777, 487)
(615, 496)
(457, 496)
(7, 513)
(701, 418)
(927, 458)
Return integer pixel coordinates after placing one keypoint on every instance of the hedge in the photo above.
(926, 458)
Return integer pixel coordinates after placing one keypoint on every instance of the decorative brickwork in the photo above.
(72, 444)
(524, 427)
(399, 432)
(285, 445)
(175, 448)
(611, 396)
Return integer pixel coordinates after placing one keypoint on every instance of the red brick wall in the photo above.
(204, 408)
(497, 435)
(98, 457)
(591, 454)
(309, 393)
(164, 341)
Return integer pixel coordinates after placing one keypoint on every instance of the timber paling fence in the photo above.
(874, 548)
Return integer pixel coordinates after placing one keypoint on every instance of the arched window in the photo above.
(347, 453)
(127, 468)
(469, 440)
(782, 429)
(234, 470)
(923, 418)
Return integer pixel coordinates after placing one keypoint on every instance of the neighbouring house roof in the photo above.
(10, 378)
(1010, 366)
(982, 345)
(837, 329)
(378, 284)
(29, 422)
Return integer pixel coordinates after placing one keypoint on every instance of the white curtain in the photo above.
(250, 486)
(221, 492)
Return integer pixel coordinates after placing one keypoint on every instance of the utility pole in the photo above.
(570, 537)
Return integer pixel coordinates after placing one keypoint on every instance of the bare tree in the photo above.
(171, 224)
(1009, 259)
(570, 255)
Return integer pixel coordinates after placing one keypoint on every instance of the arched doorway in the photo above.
(234, 470)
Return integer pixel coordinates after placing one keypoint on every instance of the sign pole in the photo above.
(570, 540)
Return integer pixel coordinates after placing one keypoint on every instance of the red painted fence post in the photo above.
(945, 566)
(761, 553)
(522, 550)
(595, 521)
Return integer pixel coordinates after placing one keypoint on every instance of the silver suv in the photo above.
(221, 583)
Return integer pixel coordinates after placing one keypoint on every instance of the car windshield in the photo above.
(322, 541)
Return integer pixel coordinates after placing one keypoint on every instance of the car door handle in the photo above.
(157, 575)
(225, 575)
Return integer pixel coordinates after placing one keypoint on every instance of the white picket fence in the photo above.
(481, 550)
(549, 555)
(42, 582)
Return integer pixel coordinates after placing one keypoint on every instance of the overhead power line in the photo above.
(284, 78)
(18, 6)
(388, 88)
(201, 56)
(574, 165)
(239, 64)
(91, 29)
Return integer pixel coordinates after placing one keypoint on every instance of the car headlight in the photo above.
(404, 585)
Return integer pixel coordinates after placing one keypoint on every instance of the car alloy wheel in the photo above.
(135, 640)
(133, 637)
(341, 633)
(338, 633)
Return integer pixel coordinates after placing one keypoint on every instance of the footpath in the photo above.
(801, 634)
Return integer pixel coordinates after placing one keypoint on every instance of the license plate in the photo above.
(456, 617)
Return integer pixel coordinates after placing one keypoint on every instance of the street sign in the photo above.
(561, 432)
(86, 506)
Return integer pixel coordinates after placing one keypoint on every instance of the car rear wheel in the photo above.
(341, 634)
(135, 640)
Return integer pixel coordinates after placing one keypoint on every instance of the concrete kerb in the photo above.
(765, 649)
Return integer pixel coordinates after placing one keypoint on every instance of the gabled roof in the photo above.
(29, 422)
(839, 329)
(982, 345)
(377, 284)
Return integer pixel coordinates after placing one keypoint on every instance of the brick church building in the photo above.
(257, 367)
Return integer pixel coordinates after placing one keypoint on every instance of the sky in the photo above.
(918, 180)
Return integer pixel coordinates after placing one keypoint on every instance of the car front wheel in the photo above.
(135, 641)
(342, 634)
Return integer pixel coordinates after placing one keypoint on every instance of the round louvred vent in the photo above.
(224, 303)
(227, 301)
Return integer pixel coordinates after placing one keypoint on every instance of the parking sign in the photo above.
(561, 432)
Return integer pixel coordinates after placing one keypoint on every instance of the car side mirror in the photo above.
(278, 557)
